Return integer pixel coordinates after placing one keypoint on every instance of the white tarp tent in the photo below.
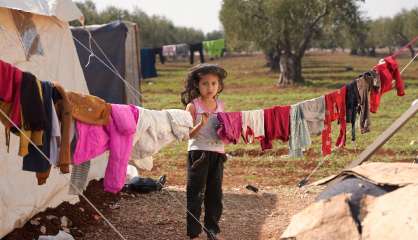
(37, 39)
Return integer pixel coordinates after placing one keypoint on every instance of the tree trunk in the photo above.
(273, 60)
(291, 70)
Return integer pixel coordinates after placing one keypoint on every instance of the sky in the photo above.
(204, 14)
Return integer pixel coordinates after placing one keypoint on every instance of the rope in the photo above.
(409, 63)
(412, 42)
(75, 187)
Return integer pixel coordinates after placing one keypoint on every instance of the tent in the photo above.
(35, 36)
(119, 41)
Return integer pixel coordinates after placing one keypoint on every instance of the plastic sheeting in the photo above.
(101, 81)
(20, 196)
(118, 40)
(65, 10)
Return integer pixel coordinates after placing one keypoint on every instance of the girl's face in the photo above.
(209, 86)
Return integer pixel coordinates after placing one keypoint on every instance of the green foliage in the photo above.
(287, 25)
(155, 30)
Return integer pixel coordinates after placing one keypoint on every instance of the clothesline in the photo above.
(408, 45)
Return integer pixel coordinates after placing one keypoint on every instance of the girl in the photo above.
(206, 154)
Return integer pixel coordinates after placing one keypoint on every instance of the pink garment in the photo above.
(116, 136)
(230, 127)
(10, 83)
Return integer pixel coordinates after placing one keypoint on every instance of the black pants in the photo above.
(204, 184)
(198, 47)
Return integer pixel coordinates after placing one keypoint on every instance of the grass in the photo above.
(250, 85)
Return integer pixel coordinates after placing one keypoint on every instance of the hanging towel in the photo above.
(169, 50)
(252, 125)
(300, 138)
(276, 125)
(314, 113)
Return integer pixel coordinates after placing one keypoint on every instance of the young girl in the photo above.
(206, 154)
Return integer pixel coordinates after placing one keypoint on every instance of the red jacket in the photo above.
(10, 82)
(388, 70)
(276, 125)
(335, 109)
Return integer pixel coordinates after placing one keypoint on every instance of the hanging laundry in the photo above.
(230, 127)
(196, 47)
(33, 111)
(117, 137)
(169, 51)
(79, 173)
(89, 109)
(300, 139)
(27, 135)
(182, 50)
(252, 125)
(63, 109)
(314, 113)
(35, 161)
(155, 130)
(10, 83)
(367, 83)
(214, 48)
(276, 125)
(335, 110)
(55, 137)
(158, 51)
(148, 69)
(352, 99)
(388, 70)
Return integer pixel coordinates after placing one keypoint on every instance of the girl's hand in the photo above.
(204, 120)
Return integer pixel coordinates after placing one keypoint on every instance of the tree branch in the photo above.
(310, 30)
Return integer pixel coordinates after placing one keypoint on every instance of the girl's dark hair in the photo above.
(191, 84)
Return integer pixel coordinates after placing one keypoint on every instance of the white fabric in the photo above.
(60, 236)
(65, 10)
(55, 137)
(169, 50)
(20, 196)
(255, 121)
(155, 129)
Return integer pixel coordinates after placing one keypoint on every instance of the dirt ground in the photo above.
(161, 215)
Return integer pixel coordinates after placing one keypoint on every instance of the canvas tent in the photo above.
(35, 36)
(119, 42)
